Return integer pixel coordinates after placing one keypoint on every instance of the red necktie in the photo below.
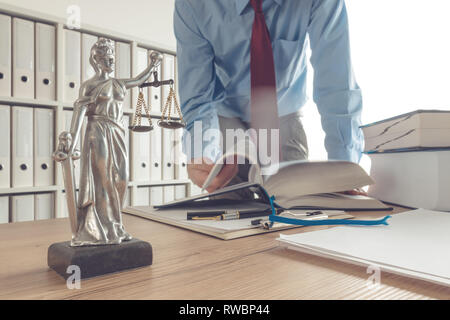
(264, 106)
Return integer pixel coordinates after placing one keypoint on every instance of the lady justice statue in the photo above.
(96, 216)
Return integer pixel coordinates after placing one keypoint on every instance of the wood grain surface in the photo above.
(189, 265)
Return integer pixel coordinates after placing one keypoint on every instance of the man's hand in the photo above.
(198, 172)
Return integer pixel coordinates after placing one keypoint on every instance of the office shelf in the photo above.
(21, 190)
(59, 105)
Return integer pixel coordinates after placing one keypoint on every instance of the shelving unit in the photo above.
(59, 105)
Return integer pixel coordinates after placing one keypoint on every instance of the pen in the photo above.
(226, 214)
(314, 214)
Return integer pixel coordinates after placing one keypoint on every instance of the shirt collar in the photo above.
(242, 4)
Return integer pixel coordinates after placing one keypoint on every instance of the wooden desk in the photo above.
(189, 265)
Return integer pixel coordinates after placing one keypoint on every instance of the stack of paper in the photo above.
(413, 179)
(415, 244)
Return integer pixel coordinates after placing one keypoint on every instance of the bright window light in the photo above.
(401, 58)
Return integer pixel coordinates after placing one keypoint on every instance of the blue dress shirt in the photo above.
(213, 49)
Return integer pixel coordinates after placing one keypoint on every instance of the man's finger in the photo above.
(223, 178)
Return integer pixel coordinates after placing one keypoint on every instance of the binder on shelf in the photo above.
(168, 193)
(64, 210)
(180, 192)
(22, 147)
(156, 196)
(126, 123)
(5, 147)
(87, 41)
(123, 67)
(72, 70)
(45, 62)
(155, 154)
(180, 157)
(43, 206)
(168, 72)
(67, 121)
(142, 63)
(154, 93)
(43, 147)
(4, 209)
(168, 154)
(5, 56)
(141, 156)
(22, 208)
(23, 58)
(168, 137)
(142, 196)
(127, 201)
(195, 190)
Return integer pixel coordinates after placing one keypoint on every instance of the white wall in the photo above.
(151, 20)
(401, 57)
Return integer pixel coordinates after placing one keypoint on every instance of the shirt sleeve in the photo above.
(199, 88)
(336, 93)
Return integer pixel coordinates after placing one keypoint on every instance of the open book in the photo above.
(302, 185)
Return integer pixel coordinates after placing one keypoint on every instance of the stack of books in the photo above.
(410, 157)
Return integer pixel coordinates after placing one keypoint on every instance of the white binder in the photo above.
(22, 147)
(43, 206)
(195, 190)
(87, 41)
(45, 62)
(72, 73)
(168, 139)
(141, 156)
(154, 93)
(169, 193)
(156, 196)
(180, 192)
(127, 201)
(126, 123)
(43, 147)
(5, 56)
(4, 209)
(123, 67)
(168, 72)
(180, 157)
(68, 120)
(65, 211)
(22, 208)
(155, 153)
(142, 196)
(168, 154)
(5, 147)
(142, 63)
(23, 58)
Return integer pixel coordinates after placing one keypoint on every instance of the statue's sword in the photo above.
(62, 155)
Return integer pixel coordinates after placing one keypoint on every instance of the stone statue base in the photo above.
(95, 261)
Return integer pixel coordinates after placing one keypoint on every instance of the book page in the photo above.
(299, 178)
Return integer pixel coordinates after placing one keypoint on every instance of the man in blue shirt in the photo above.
(213, 49)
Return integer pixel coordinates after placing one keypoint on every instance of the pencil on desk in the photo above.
(227, 214)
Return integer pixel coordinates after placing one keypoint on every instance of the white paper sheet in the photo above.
(415, 243)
